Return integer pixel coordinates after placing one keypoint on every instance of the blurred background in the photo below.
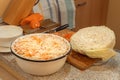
(87, 13)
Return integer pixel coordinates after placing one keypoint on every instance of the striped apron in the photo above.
(60, 11)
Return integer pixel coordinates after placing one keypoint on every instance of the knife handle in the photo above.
(62, 27)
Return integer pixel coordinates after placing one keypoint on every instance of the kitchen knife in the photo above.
(57, 29)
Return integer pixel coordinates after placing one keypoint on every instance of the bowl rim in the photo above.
(33, 60)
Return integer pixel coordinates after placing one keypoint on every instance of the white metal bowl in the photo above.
(41, 67)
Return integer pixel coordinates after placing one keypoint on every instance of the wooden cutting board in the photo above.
(78, 60)
(17, 10)
(46, 25)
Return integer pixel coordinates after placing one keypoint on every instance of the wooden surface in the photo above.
(94, 12)
(113, 20)
(80, 61)
(3, 6)
(82, 14)
(45, 26)
(17, 10)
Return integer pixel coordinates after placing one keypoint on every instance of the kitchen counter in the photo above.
(106, 71)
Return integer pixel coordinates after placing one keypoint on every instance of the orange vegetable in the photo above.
(65, 35)
(33, 20)
(68, 36)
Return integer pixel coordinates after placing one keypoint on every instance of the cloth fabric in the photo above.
(60, 11)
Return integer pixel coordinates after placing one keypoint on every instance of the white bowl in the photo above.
(41, 67)
(8, 33)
